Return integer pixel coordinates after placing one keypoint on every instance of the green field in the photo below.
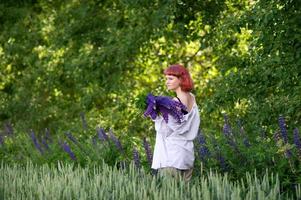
(67, 181)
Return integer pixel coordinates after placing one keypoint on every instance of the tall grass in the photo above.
(69, 181)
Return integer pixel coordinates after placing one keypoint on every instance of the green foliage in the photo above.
(233, 154)
(59, 59)
(257, 50)
(236, 153)
(140, 102)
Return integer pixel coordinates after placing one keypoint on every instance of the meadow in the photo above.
(69, 181)
(99, 165)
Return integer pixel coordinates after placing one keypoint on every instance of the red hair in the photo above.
(183, 74)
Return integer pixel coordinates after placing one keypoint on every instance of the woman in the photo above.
(174, 150)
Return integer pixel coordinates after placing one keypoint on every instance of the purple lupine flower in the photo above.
(227, 128)
(8, 128)
(116, 141)
(151, 109)
(71, 137)
(84, 122)
(283, 130)
(282, 135)
(164, 111)
(67, 149)
(164, 105)
(102, 136)
(218, 155)
(228, 133)
(203, 150)
(148, 151)
(201, 138)
(44, 142)
(35, 142)
(297, 141)
(167, 105)
(136, 158)
(75, 141)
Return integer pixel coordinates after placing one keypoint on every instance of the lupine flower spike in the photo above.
(67, 149)
(222, 162)
(70, 137)
(136, 158)
(228, 133)
(151, 109)
(164, 105)
(218, 155)
(283, 130)
(297, 141)
(284, 136)
(102, 136)
(226, 129)
(116, 141)
(148, 151)
(44, 142)
(35, 142)
(203, 151)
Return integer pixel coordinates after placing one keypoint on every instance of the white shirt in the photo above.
(174, 141)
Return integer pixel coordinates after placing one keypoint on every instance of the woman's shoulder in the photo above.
(188, 100)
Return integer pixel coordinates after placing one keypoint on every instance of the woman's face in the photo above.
(172, 82)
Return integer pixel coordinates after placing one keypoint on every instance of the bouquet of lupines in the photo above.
(164, 105)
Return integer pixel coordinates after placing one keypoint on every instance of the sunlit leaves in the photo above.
(61, 58)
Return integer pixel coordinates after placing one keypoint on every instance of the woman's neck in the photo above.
(180, 92)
